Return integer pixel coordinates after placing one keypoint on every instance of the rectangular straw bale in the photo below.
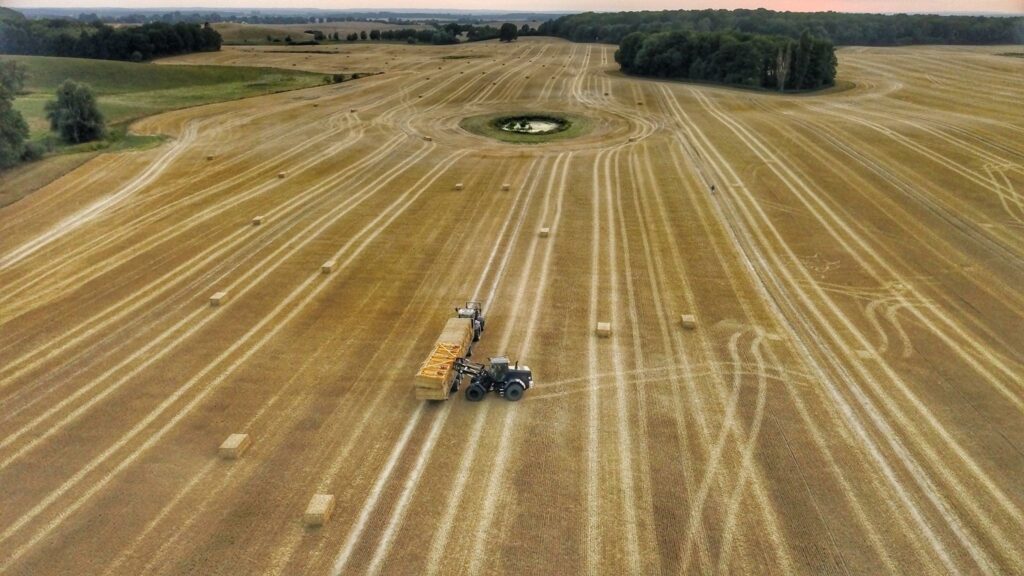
(545, 232)
(217, 298)
(234, 446)
(257, 220)
(604, 329)
(689, 321)
(327, 267)
(319, 510)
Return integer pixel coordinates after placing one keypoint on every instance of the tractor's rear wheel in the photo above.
(514, 391)
(475, 393)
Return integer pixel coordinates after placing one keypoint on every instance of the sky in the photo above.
(931, 6)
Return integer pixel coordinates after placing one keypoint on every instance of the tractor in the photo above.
(474, 311)
(510, 382)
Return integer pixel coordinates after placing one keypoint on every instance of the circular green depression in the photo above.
(526, 127)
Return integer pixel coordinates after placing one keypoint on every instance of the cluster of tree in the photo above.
(508, 32)
(752, 60)
(74, 116)
(839, 28)
(97, 40)
(448, 33)
(13, 129)
(437, 36)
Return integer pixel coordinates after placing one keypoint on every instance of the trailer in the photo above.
(437, 376)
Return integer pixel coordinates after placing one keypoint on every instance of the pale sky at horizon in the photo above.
(1007, 6)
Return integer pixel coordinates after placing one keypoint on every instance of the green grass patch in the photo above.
(490, 125)
(127, 91)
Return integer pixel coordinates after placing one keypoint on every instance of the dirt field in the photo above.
(850, 401)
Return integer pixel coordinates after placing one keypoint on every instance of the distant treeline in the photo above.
(839, 28)
(439, 34)
(276, 16)
(97, 40)
(751, 60)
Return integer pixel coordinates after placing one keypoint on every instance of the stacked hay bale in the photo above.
(434, 379)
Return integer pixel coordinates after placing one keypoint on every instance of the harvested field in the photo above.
(850, 400)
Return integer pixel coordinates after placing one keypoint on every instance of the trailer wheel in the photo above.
(475, 393)
(514, 391)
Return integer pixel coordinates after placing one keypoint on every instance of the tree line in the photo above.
(838, 28)
(751, 60)
(70, 38)
(439, 34)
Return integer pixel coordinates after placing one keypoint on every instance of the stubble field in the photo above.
(850, 401)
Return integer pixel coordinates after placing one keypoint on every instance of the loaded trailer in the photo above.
(438, 377)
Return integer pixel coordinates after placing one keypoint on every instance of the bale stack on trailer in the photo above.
(434, 379)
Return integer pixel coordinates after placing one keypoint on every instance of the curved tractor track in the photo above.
(850, 400)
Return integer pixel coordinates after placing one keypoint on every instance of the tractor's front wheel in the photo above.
(475, 393)
(514, 391)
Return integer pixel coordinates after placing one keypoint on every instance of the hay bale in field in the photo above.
(545, 232)
(506, 186)
(632, 138)
(234, 446)
(319, 510)
(689, 321)
(281, 174)
(217, 298)
(315, 105)
(327, 267)
(352, 111)
(428, 139)
(458, 186)
(209, 157)
(257, 221)
(604, 329)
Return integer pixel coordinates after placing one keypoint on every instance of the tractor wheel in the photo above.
(514, 391)
(475, 393)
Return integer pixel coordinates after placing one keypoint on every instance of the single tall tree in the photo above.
(74, 114)
(508, 32)
(782, 62)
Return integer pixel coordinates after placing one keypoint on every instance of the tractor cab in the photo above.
(499, 367)
(474, 312)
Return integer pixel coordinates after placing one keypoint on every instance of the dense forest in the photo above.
(751, 60)
(97, 40)
(840, 29)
